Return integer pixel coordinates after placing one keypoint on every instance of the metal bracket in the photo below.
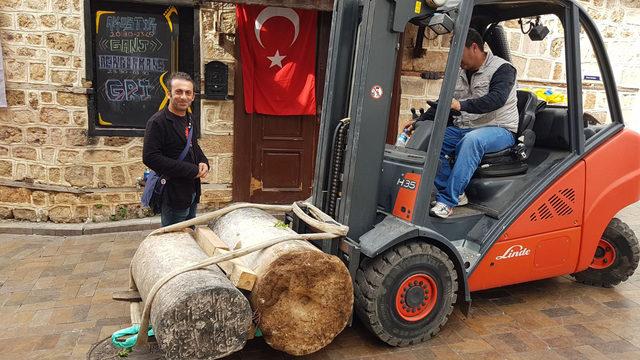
(407, 10)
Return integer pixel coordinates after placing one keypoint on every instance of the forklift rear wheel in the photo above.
(616, 257)
(406, 294)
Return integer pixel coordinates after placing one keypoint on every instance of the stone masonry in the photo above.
(43, 132)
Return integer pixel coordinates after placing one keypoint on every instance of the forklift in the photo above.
(541, 209)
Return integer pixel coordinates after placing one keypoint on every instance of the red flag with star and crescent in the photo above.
(278, 50)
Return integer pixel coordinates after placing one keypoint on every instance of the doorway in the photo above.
(274, 156)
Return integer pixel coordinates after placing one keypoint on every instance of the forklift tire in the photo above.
(406, 294)
(616, 257)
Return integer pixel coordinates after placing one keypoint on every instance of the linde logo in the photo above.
(514, 251)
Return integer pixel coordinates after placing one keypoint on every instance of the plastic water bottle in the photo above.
(403, 138)
(146, 174)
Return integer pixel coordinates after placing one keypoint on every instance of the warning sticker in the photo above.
(376, 92)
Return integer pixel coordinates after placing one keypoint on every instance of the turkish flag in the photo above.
(278, 50)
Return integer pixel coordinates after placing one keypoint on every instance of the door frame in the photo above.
(241, 130)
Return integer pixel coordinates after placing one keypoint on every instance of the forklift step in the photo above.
(468, 251)
(463, 211)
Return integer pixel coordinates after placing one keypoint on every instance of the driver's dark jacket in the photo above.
(164, 140)
(498, 92)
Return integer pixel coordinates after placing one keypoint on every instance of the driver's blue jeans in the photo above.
(468, 146)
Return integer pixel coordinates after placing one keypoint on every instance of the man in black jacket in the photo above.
(164, 139)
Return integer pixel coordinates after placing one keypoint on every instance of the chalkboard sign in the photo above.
(134, 53)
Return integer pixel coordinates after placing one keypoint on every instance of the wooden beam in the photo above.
(210, 243)
(42, 187)
(322, 5)
(130, 296)
(240, 276)
(208, 240)
(135, 309)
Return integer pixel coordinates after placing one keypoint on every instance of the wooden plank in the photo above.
(208, 240)
(240, 276)
(130, 296)
(210, 243)
(135, 309)
(43, 187)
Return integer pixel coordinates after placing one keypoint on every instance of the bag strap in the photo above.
(183, 154)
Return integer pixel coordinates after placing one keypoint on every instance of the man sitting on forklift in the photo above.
(485, 97)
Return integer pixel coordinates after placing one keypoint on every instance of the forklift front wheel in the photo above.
(406, 294)
(616, 257)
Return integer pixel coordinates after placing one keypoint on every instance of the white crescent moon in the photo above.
(272, 11)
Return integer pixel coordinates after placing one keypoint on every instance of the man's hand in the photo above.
(203, 170)
(410, 127)
(455, 105)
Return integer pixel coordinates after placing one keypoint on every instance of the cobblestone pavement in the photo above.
(55, 302)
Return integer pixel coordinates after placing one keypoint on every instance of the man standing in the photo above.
(164, 140)
(486, 97)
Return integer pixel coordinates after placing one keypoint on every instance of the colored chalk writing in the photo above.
(133, 54)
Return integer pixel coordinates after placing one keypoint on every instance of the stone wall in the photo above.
(49, 168)
(542, 64)
(217, 29)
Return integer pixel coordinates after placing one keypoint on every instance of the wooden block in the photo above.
(240, 276)
(208, 240)
(135, 309)
(243, 278)
(130, 295)
(210, 243)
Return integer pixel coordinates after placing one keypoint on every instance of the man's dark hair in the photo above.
(474, 37)
(180, 76)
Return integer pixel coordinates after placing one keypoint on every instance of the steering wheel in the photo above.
(434, 104)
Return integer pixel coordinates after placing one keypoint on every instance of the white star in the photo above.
(276, 59)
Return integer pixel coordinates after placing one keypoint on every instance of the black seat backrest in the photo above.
(552, 128)
(527, 105)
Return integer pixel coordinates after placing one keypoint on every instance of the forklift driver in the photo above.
(485, 97)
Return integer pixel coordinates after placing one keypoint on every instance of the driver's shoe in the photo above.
(441, 210)
(462, 200)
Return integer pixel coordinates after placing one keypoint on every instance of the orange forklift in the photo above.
(541, 209)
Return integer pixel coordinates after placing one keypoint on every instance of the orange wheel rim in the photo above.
(416, 297)
(605, 255)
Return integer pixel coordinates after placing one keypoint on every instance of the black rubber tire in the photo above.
(378, 280)
(625, 242)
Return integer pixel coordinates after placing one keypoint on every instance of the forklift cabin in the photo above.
(553, 218)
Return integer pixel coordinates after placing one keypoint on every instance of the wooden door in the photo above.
(274, 156)
(283, 153)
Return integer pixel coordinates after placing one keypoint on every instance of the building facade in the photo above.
(58, 163)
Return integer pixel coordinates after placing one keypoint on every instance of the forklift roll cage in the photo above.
(363, 50)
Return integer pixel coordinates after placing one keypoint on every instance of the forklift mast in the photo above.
(364, 46)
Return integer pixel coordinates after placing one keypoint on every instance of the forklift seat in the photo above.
(511, 161)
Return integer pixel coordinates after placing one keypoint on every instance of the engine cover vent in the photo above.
(559, 204)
